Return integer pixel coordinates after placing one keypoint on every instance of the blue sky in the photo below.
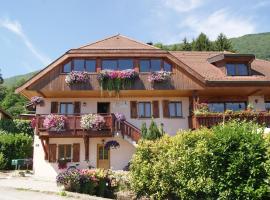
(35, 32)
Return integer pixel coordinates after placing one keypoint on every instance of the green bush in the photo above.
(16, 126)
(225, 162)
(15, 146)
(3, 161)
(151, 133)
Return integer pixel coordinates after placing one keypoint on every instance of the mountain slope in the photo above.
(9, 82)
(258, 44)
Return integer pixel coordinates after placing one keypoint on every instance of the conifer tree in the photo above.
(186, 46)
(202, 43)
(222, 43)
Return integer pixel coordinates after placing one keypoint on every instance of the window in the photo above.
(64, 152)
(167, 67)
(66, 108)
(153, 65)
(237, 69)
(109, 64)
(67, 67)
(235, 106)
(78, 65)
(90, 65)
(175, 109)
(267, 106)
(125, 64)
(221, 107)
(144, 109)
(103, 153)
(144, 66)
(117, 64)
(216, 107)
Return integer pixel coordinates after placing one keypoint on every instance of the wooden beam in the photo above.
(86, 147)
(45, 146)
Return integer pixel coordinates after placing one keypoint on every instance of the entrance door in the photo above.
(103, 157)
(103, 107)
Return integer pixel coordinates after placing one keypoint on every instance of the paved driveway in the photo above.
(15, 194)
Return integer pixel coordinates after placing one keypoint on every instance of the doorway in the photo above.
(103, 157)
(103, 107)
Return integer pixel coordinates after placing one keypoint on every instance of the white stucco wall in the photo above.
(119, 158)
(257, 102)
(171, 126)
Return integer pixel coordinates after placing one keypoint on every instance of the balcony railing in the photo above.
(210, 120)
(73, 128)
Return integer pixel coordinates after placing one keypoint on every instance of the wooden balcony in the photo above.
(210, 120)
(73, 128)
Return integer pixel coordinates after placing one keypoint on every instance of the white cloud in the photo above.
(183, 5)
(260, 4)
(16, 28)
(220, 21)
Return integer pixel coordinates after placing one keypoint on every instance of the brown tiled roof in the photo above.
(118, 42)
(198, 61)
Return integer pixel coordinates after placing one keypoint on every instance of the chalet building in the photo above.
(167, 86)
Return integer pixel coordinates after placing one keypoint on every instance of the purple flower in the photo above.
(36, 100)
(77, 77)
(159, 76)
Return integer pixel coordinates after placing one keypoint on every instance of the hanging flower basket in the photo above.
(75, 77)
(112, 144)
(54, 122)
(159, 76)
(36, 100)
(116, 80)
(92, 121)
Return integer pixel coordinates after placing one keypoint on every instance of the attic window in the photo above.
(237, 69)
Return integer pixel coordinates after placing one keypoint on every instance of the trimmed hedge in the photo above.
(16, 126)
(225, 162)
(14, 146)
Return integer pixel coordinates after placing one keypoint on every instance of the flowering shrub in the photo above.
(120, 117)
(159, 76)
(116, 80)
(89, 121)
(112, 144)
(36, 100)
(54, 122)
(76, 77)
(202, 108)
(97, 182)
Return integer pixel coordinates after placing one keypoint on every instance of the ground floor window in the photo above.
(144, 109)
(66, 108)
(175, 109)
(222, 106)
(64, 152)
(267, 105)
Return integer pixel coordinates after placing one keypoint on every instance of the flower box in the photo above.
(55, 122)
(77, 77)
(159, 76)
(92, 121)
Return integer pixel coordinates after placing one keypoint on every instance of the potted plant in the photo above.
(36, 100)
(92, 121)
(159, 76)
(54, 122)
(116, 80)
(75, 77)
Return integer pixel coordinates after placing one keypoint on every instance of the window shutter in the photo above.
(52, 153)
(76, 152)
(54, 107)
(133, 109)
(165, 105)
(77, 107)
(155, 109)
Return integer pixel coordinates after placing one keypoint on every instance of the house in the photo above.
(223, 80)
(4, 114)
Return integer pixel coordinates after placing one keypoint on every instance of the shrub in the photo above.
(16, 126)
(15, 146)
(3, 161)
(94, 182)
(152, 133)
(225, 162)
